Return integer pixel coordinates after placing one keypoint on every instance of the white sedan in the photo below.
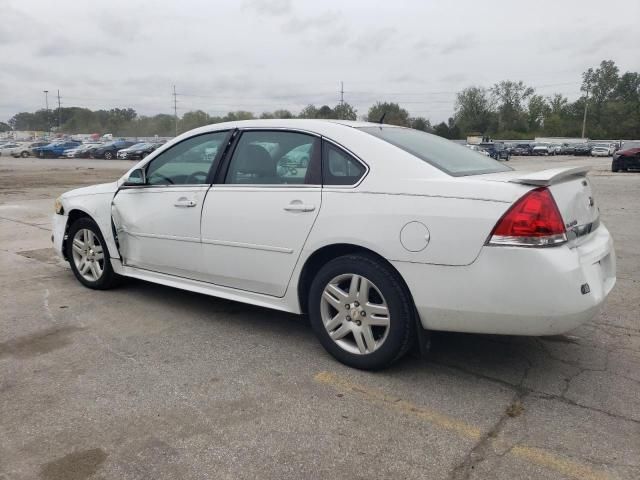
(602, 150)
(381, 234)
(7, 149)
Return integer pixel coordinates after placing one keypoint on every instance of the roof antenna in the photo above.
(382, 118)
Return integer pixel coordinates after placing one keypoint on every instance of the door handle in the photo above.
(299, 207)
(184, 203)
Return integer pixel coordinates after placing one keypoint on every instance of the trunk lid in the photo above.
(571, 190)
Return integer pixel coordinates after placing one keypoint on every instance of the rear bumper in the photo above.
(516, 291)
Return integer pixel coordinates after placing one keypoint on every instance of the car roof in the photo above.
(301, 123)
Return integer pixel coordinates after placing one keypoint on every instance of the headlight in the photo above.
(58, 206)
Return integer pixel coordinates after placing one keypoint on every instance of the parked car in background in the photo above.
(477, 148)
(567, 149)
(8, 148)
(522, 149)
(74, 152)
(626, 159)
(138, 151)
(122, 154)
(88, 149)
(487, 250)
(602, 150)
(109, 150)
(28, 151)
(542, 149)
(496, 150)
(582, 149)
(55, 149)
(555, 149)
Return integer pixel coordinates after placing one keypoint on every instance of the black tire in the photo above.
(144, 154)
(109, 278)
(402, 325)
(108, 155)
(24, 154)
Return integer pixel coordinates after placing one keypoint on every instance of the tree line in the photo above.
(508, 109)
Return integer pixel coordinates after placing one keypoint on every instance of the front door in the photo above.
(255, 224)
(158, 224)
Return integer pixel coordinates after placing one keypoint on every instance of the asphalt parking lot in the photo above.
(149, 382)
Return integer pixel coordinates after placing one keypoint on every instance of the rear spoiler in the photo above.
(551, 176)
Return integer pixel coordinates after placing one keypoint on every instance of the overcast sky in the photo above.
(260, 55)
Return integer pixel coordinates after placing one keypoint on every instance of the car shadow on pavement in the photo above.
(516, 361)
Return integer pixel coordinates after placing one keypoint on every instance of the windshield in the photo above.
(443, 154)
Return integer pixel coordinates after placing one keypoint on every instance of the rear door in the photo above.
(256, 221)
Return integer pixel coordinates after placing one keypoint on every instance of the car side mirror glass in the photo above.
(136, 178)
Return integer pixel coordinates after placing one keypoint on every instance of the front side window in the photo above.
(338, 167)
(443, 154)
(273, 158)
(188, 162)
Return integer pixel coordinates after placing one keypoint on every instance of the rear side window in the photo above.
(338, 167)
(443, 154)
(275, 158)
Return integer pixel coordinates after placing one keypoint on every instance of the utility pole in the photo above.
(59, 113)
(46, 102)
(175, 108)
(341, 99)
(584, 118)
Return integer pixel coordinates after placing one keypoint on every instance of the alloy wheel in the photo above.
(355, 314)
(88, 254)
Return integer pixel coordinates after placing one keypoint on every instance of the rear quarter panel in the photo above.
(458, 227)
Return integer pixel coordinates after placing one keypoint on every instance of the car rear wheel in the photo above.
(88, 255)
(24, 154)
(108, 155)
(361, 312)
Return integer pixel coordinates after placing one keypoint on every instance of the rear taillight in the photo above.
(533, 221)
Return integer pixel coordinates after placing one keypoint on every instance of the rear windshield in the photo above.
(443, 154)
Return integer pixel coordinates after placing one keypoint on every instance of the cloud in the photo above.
(301, 25)
(374, 41)
(455, 78)
(61, 47)
(16, 26)
(423, 45)
(456, 45)
(269, 7)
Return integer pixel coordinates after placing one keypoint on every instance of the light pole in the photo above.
(46, 102)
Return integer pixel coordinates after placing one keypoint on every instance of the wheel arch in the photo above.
(74, 215)
(321, 256)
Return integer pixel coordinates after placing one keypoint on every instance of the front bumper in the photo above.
(516, 291)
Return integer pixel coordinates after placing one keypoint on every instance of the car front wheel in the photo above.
(108, 155)
(361, 312)
(88, 255)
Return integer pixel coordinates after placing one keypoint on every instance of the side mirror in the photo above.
(136, 178)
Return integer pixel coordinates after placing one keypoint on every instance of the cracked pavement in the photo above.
(149, 382)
